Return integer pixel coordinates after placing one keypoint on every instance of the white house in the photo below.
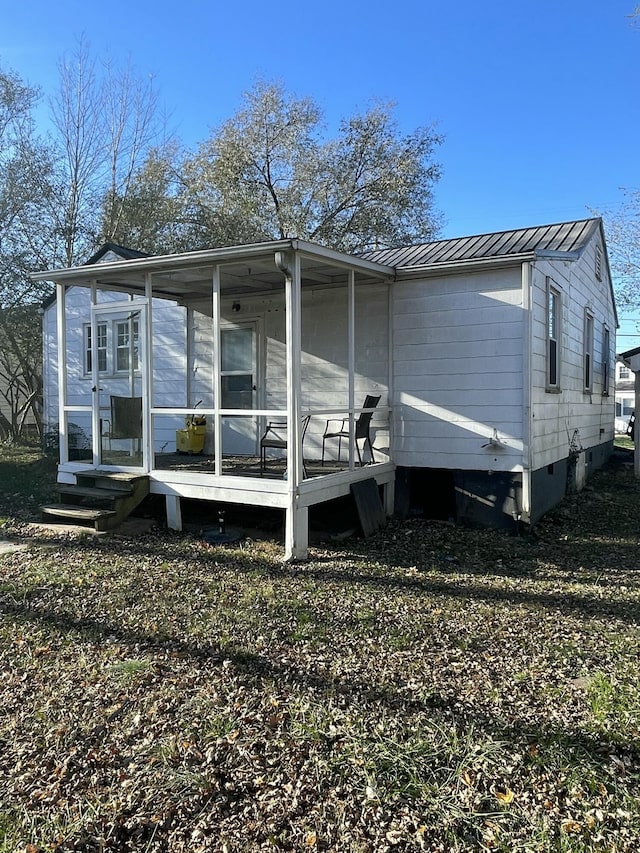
(488, 360)
(625, 396)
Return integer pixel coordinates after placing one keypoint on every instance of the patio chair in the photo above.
(362, 430)
(275, 435)
(126, 419)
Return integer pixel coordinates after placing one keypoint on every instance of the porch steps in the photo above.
(101, 499)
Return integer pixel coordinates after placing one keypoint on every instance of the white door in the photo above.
(117, 362)
(239, 387)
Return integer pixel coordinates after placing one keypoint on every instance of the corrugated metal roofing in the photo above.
(561, 237)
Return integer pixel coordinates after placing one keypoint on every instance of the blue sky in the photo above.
(537, 101)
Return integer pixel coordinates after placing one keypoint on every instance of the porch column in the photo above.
(351, 348)
(635, 366)
(62, 372)
(297, 517)
(217, 369)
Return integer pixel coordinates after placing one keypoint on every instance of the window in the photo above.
(553, 336)
(102, 348)
(606, 360)
(588, 351)
(114, 346)
(624, 407)
(124, 348)
(624, 372)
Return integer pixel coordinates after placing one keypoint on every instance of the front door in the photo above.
(117, 362)
(239, 384)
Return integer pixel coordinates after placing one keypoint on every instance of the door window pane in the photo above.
(237, 391)
(237, 349)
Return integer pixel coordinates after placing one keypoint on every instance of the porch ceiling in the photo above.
(243, 269)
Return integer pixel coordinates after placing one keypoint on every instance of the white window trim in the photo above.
(606, 361)
(587, 352)
(553, 290)
(111, 350)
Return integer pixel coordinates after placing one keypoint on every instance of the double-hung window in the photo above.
(117, 346)
(606, 361)
(554, 309)
(102, 348)
(588, 351)
(126, 344)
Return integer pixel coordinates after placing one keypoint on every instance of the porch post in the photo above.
(146, 390)
(217, 367)
(62, 372)
(351, 345)
(635, 366)
(297, 517)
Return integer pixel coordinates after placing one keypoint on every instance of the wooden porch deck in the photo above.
(243, 466)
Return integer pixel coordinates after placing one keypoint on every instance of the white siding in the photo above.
(324, 356)
(458, 366)
(556, 416)
(168, 353)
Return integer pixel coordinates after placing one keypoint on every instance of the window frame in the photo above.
(121, 350)
(103, 332)
(111, 349)
(553, 308)
(587, 351)
(626, 375)
(606, 360)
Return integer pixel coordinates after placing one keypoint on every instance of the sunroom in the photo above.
(256, 374)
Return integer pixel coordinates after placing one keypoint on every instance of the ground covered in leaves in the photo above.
(428, 689)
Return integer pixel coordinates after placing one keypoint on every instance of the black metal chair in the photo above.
(275, 436)
(126, 419)
(362, 429)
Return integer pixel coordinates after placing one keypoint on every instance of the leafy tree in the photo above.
(267, 173)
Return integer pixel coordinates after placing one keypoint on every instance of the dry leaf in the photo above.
(505, 797)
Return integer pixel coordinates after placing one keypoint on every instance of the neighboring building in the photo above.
(492, 356)
(625, 396)
(628, 338)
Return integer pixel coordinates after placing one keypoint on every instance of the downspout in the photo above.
(527, 426)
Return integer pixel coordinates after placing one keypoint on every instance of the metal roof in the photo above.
(562, 237)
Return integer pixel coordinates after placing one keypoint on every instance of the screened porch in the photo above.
(256, 374)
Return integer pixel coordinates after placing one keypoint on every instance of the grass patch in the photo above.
(430, 688)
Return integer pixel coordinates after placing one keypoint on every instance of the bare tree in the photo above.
(622, 226)
(105, 120)
(20, 371)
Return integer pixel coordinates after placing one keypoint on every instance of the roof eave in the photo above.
(452, 267)
(204, 257)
